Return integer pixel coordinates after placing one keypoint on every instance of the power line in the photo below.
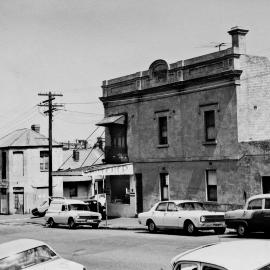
(80, 112)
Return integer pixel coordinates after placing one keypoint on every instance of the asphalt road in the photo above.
(112, 249)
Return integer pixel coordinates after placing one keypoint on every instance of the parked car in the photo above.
(254, 217)
(101, 197)
(33, 254)
(96, 206)
(41, 210)
(234, 255)
(182, 214)
(72, 213)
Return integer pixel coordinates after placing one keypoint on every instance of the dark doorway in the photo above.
(139, 193)
(266, 184)
(18, 193)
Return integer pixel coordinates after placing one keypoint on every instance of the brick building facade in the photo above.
(194, 129)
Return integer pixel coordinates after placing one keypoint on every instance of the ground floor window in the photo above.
(211, 185)
(164, 186)
(120, 189)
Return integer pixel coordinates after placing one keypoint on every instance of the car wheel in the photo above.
(190, 228)
(71, 223)
(242, 230)
(95, 226)
(220, 230)
(51, 223)
(152, 226)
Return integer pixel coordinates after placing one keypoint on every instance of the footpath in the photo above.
(115, 223)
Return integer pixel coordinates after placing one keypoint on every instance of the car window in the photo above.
(27, 258)
(161, 207)
(255, 204)
(267, 204)
(187, 266)
(172, 207)
(78, 207)
(267, 267)
(64, 207)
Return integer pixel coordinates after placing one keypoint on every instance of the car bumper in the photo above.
(87, 221)
(211, 226)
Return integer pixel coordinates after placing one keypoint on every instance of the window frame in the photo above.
(208, 186)
(43, 163)
(164, 177)
(208, 125)
(162, 128)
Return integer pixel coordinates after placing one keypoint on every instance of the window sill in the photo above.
(209, 143)
(163, 146)
(44, 170)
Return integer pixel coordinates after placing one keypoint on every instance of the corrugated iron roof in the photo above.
(24, 138)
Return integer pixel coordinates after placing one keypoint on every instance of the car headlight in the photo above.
(202, 219)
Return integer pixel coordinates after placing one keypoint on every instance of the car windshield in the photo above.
(27, 258)
(77, 206)
(191, 206)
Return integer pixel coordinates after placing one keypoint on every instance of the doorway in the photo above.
(265, 184)
(139, 193)
(18, 193)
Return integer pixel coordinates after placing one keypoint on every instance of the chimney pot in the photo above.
(36, 128)
(238, 38)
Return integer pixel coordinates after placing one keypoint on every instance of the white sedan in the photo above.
(235, 255)
(182, 214)
(33, 254)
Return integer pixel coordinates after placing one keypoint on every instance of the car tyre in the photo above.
(151, 226)
(51, 223)
(95, 226)
(220, 230)
(242, 230)
(71, 223)
(190, 228)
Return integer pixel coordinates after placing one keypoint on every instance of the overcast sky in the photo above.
(71, 46)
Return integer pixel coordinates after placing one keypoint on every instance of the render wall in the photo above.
(33, 178)
(185, 126)
(253, 99)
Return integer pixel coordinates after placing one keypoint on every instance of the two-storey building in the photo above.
(24, 157)
(194, 129)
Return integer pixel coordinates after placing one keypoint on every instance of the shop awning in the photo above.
(116, 119)
(111, 169)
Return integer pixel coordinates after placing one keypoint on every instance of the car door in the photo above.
(266, 214)
(171, 216)
(158, 214)
(256, 215)
(62, 215)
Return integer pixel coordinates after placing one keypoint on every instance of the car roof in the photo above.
(233, 255)
(259, 196)
(68, 201)
(180, 201)
(17, 246)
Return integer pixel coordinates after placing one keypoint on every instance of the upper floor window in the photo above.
(18, 163)
(163, 130)
(4, 165)
(118, 136)
(210, 127)
(44, 161)
(211, 185)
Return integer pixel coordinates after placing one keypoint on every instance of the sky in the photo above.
(71, 46)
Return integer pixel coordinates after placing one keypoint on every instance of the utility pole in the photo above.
(51, 107)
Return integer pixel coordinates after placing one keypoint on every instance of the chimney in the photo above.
(239, 38)
(36, 128)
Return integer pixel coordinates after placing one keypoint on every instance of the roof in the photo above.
(25, 138)
(251, 254)
(19, 245)
(87, 157)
